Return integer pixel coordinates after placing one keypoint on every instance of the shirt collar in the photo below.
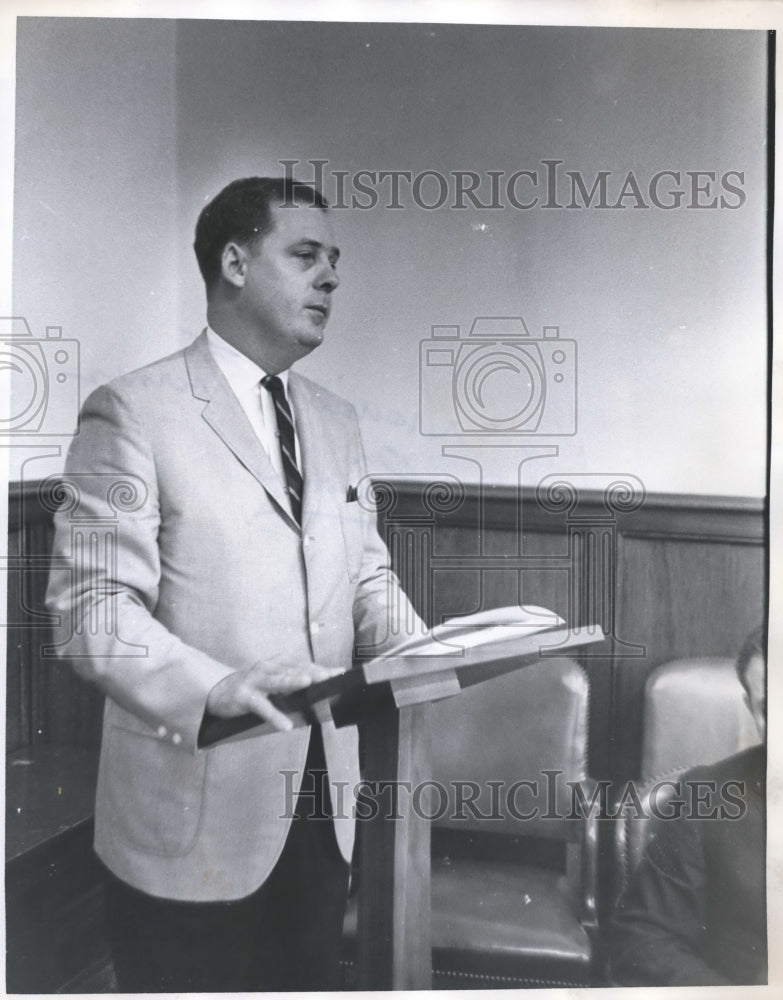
(236, 366)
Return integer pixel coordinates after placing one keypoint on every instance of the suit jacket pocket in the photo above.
(351, 519)
(153, 792)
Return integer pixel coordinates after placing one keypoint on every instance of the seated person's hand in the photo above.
(247, 690)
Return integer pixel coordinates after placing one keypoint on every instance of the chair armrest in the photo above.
(631, 828)
(588, 901)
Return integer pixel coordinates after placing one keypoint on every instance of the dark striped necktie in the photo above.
(285, 434)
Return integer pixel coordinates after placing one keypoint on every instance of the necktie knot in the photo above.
(273, 383)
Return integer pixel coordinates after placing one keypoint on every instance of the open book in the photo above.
(467, 631)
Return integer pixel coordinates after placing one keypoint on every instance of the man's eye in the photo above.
(306, 255)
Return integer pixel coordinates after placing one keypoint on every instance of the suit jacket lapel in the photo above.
(312, 443)
(227, 419)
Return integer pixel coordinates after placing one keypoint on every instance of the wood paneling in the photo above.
(678, 576)
(680, 598)
(55, 924)
(46, 703)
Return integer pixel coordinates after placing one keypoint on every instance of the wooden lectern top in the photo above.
(407, 678)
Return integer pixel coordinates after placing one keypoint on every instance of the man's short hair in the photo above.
(241, 212)
(754, 645)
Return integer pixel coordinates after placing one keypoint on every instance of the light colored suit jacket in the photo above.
(176, 561)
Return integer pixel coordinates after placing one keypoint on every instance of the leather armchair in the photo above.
(514, 872)
(694, 713)
(513, 898)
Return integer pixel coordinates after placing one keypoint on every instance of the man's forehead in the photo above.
(301, 222)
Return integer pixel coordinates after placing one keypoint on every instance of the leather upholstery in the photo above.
(697, 914)
(512, 922)
(510, 729)
(694, 714)
(502, 925)
(631, 830)
(498, 918)
(676, 733)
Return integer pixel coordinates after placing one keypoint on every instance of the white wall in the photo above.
(667, 307)
(95, 194)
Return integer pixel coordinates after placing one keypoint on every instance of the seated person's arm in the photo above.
(658, 931)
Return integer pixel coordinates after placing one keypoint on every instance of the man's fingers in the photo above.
(234, 696)
(263, 707)
(285, 680)
(247, 691)
(294, 678)
(319, 673)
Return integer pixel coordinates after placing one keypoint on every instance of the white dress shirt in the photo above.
(244, 377)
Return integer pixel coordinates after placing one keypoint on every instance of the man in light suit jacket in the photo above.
(243, 566)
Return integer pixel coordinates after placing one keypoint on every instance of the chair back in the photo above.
(510, 745)
(694, 714)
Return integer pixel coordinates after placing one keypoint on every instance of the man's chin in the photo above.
(308, 340)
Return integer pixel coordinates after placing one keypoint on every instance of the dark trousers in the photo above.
(285, 936)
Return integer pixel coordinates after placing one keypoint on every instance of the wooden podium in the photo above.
(386, 697)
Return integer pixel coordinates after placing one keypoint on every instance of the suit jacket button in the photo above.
(162, 731)
(176, 739)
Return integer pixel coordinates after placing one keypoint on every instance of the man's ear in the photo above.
(233, 264)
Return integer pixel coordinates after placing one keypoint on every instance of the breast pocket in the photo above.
(352, 523)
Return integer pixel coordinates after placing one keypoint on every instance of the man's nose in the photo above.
(327, 278)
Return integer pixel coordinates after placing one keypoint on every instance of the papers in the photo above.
(465, 632)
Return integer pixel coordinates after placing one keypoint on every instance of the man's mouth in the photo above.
(319, 310)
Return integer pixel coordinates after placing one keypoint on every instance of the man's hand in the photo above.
(246, 690)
